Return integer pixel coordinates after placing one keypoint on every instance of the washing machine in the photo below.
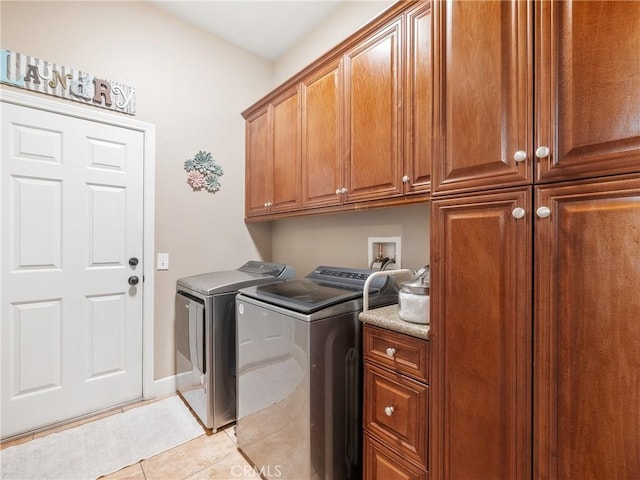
(299, 379)
(205, 337)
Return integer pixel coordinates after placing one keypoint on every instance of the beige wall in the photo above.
(193, 86)
(341, 240)
(334, 29)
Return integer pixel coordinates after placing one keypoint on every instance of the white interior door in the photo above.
(72, 218)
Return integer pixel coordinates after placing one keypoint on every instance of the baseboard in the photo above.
(164, 386)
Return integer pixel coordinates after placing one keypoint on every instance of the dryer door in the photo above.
(191, 363)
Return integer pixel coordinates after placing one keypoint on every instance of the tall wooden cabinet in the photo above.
(587, 324)
(481, 331)
(535, 222)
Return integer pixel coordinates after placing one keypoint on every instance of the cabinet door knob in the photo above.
(405, 179)
(343, 190)
(391, 351)
(389, 411)
(542, 152)
(520, 156)
(518, 213)
(543, 212)
(338, 192)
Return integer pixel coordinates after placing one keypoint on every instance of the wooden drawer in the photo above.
(409, 355)
(396, 411)
(380, 463)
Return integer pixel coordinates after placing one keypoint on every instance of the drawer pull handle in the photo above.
(389, 411)
(391, 351)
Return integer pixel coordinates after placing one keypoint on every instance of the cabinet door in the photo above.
(587, 341)
(286, 153)
(419, 106)
(322, 153)
(374, 122)
(480, 337)
(588, 88)
(258, 163)
(482, 102)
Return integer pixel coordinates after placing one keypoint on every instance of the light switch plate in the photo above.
(163, 261)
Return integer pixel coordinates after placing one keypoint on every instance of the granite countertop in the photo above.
(387, 317)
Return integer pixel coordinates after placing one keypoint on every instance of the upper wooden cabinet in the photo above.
(273, 157)
(322, 122)
(258, 165)
(482, 101)
(587, 88)
(494, 127)
(418, 107)
(373, 93)
(363, 128)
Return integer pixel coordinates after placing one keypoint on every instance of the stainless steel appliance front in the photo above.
(205, 337)
(299, 385)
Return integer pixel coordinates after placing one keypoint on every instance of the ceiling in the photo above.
(268, 28)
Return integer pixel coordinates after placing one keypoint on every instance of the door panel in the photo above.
(480, 337)
(36, 223)
(258, 189)
(322, 152)
(588, 88)
(587, 342)
(286, 153)
(71, 194)
(419, 105)
(34, 321)
(374, 95)
(482, 101)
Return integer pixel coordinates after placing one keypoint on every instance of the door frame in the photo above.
(149, 158)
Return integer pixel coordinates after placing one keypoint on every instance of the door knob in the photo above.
(518, 212)
(133, 261)
(543, 212)
(542, 151)
(133, 280)
(520, 156)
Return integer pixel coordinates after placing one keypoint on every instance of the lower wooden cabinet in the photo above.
(396, 404)
(382, 463)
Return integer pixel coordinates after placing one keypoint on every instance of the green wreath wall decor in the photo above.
(203, 172)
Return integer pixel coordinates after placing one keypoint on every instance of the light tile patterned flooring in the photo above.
(212, 457)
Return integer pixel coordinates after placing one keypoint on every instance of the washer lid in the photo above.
(322, 288)
(301, 295)
(252, 273)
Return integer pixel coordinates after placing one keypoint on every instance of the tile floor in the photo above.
(205, 457)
